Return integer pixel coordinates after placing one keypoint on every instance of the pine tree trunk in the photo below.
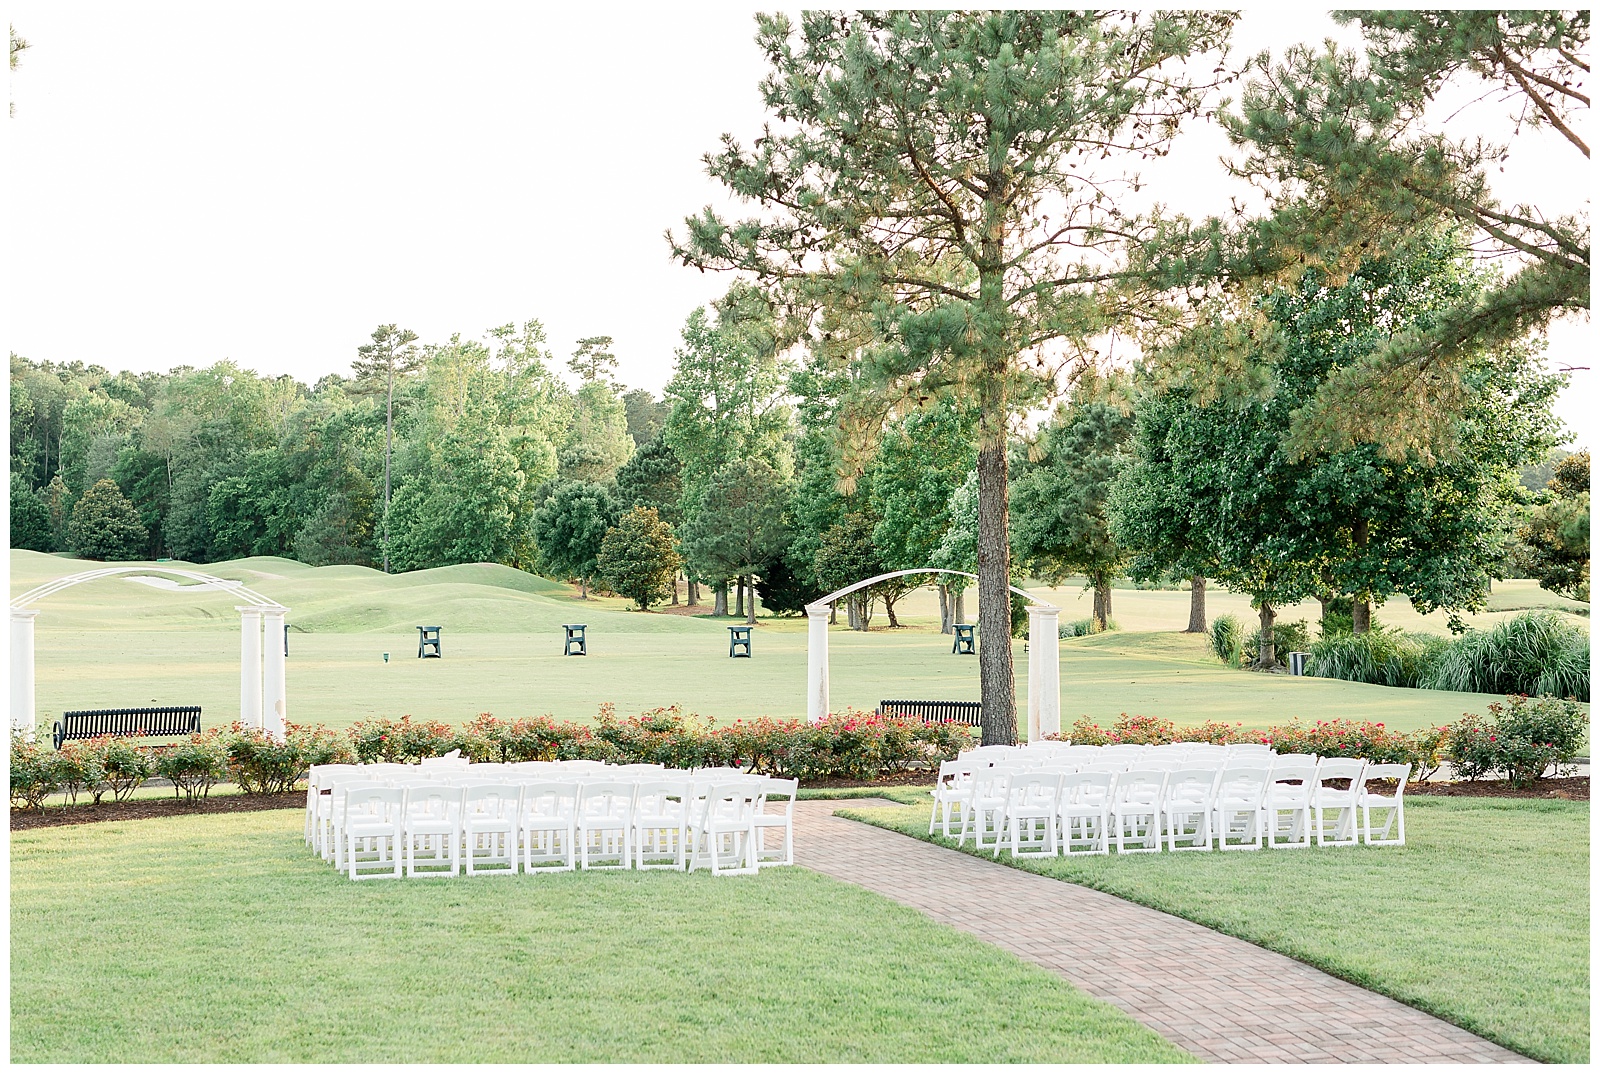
(583, 585)
(750, 584)
(944, 610)
(738, 601)
(674, 589)
(997, 684)
(1197, 605)
(1268, 655)
(693, 595)
(958, 606)
(1360, 613)
(852, 612)
(719, 604)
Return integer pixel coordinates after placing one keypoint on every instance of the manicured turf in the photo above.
(1482, 918)
(222, 939)
(118, 643)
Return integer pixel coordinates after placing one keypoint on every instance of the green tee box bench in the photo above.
(92, 723)
(964, 712)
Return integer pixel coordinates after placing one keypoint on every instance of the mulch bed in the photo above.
(1572, 788)
(145, 808)
(903, 779)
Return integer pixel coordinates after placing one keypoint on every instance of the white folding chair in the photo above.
(547, 826)
(1187, 802)
(1287, 809)
(374, 825)
(985, 815)
(1031, 799)
(489, 814)
(1136, 809)
(433, 823)
(661, 824)
(1394, 804)
(1083, 812)
(319, 799)
(952, 790)
(786, 791)
(722, 829)
(1238, 816)
(604, 820)
(1340, 830)
(334, 842)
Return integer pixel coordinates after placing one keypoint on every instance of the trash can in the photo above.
(1297, 663)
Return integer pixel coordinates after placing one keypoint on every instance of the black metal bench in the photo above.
(966, 712)
(92, 723)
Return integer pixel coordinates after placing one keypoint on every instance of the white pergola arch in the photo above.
(1044, 653)
(263, 688)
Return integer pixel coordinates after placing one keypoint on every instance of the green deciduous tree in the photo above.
(105, 524)
(738, 526)
(638, 557)
(570, 527)
(30, 521)
(647, 415)
(1554, 541)
(846, 555)
(1060, 517)
(937, 180)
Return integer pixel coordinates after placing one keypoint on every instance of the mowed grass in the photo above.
(1482, 918)
(223, 939)
(118, 643)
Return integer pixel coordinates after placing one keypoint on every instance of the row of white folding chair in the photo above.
(555, 824)
(1243, 805)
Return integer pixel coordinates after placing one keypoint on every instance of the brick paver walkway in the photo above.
(1223, 999)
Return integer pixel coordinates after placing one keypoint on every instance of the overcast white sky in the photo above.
(269, 181)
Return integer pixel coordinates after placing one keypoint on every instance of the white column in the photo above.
(817, 663)
(274, 685)
(249, 665)
(1044, 672)
(22, 696)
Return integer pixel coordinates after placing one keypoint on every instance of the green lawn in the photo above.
(1482, 918)
(117, 643)
(222, 939)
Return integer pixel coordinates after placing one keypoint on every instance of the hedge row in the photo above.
(852, 744)
(1523, 738)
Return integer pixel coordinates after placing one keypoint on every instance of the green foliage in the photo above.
(195, 766)
(1381, 657)
(34, 775)
(738, 526)
(846, 554)
(125, 766)
(647, 416)
(1535, 652)
(1526, 738)
(597, 443)
(335, 533)
(922, 459)
(571, 526)
(80, 768)
(1083, 628)
(1292, 637)
(784, 590)
(1554, 539)
(653, 478)
(30, 521)
(105, 525)
(1227, 639)
(637, 558)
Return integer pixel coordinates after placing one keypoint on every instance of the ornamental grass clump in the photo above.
(1534, 653)
(1227, 638)
(1381, 657)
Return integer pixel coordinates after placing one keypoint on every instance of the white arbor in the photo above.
(263, 689)
(1044, 654)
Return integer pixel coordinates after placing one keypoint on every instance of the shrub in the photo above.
(80, 767)
(260, 764)
(1082, 628)
(1533, 653)
(661, 736)
(638, 559)
(403, 740)
(125, 766)
(1226, 638)
(1523, 737)
(1286, 638)
(194, 766)
(105, 524)
(33, 772)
